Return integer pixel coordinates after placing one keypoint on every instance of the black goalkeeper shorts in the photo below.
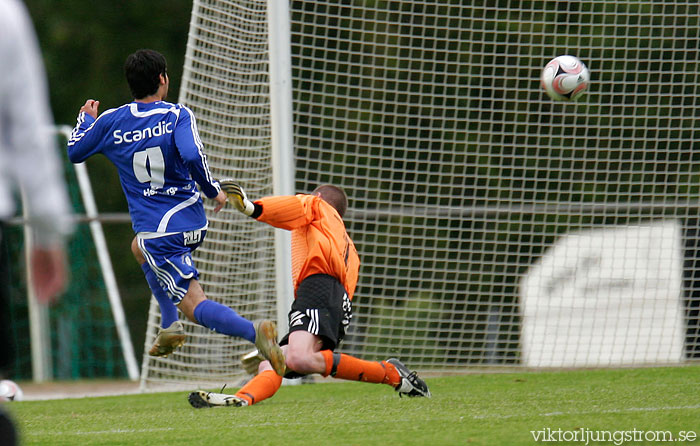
(322, 308)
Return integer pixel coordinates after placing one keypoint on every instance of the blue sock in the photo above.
(168, 310)
(223, 319)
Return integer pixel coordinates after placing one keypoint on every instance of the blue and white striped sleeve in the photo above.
(192, 152)
(83, 142)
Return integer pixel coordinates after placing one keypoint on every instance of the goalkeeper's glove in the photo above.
(237, 196)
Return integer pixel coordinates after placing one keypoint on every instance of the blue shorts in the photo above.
(170, 258)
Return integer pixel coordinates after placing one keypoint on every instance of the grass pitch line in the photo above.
(104, 432)
(592, 412)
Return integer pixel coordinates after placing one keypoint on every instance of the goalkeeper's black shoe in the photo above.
(199, 399)
(411, 384)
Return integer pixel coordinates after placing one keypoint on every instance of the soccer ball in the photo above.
(10, 391)
(565, 78)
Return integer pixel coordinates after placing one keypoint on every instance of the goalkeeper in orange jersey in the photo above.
(325, 269)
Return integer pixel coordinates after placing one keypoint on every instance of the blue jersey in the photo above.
(158, 154)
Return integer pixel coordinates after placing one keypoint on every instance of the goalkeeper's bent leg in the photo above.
(342, 366)
(263, 386)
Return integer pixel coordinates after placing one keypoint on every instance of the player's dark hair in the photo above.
(334, 196)
(143, 69)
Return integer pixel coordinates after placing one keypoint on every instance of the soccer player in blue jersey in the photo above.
(156, 148)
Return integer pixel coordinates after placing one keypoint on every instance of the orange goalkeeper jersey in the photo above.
(320, 243)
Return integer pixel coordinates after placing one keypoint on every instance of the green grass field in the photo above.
(479, 409)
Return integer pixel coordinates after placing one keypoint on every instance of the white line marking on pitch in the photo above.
(110, 431)
(596, 412)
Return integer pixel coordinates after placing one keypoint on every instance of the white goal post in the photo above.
(496, 228)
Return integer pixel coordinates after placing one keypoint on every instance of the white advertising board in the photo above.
(606, 297)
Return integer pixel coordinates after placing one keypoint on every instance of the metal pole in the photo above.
(279, 35)
(107, 272)
(39, 329)
(106, 267)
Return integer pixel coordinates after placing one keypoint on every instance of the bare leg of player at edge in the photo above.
(213, 315)
(304, 357)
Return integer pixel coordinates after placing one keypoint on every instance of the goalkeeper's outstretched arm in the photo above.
(282, 211)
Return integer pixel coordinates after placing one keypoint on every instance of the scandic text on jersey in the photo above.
(137, 135)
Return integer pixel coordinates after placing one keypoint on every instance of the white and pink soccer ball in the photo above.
(565, 78)
(10, 391)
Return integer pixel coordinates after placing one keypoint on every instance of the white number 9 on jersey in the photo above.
(149, 166)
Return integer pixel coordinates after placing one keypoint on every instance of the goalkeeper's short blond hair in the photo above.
(333, 195)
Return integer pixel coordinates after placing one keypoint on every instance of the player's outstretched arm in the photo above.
(283, 211)
(237, 196)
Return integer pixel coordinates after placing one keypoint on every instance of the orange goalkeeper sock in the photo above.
(342, 366)
(261, 387)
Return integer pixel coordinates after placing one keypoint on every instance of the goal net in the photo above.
(496, 228)
(226, 84)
